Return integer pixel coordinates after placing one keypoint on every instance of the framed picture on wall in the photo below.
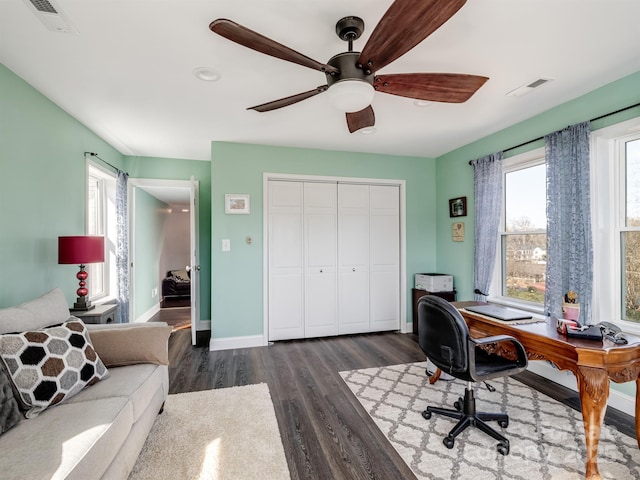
(235, 203)
(458, 207)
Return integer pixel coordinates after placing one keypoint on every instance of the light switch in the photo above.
(226, 245)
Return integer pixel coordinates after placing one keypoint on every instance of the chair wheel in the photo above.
(449, 441)
(457, 405)
(426, 415)
(503, 449)
(503, 423)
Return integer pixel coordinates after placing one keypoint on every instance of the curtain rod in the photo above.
(592, 120)
(95, 155)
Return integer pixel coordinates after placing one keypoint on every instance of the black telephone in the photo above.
(599, 331)
(612, 332)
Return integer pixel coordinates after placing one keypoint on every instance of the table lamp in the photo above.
(81, 250)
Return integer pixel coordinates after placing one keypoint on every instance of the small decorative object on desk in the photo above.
(570, 306)
(570, 312)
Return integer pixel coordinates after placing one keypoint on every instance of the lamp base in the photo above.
(82, 305)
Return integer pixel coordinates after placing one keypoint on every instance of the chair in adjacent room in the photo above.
(445, 340)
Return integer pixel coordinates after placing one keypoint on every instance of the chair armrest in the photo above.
(129, 344)
(521, 353)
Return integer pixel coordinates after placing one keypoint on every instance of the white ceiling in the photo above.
(127, 73)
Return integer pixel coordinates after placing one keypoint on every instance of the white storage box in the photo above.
(434, 282)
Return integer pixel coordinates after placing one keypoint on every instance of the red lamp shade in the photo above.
(80, 250)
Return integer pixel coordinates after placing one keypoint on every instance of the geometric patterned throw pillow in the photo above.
(50, 365)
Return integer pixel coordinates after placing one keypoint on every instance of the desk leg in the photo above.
(638, 410)
(593, 385)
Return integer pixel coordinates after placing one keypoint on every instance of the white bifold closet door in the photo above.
(286, 271)
(384, 263)
(333, 259)
(320, 260)
(353, 254)
(369, 258)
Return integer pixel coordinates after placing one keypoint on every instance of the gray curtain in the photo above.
(569, 243)
(487, 183)
(122, 247)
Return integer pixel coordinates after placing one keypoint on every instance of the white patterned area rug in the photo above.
(227, 433)
(546, 437)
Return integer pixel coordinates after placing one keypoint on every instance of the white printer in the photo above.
(434, 282)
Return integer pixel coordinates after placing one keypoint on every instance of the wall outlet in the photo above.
(226, 245)
(154, 292)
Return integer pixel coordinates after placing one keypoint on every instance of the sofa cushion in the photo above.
(9, 411)
(49, 309)
(138, 383)
(50, 365)
(129, 344)
(180, 275)
(71, 441)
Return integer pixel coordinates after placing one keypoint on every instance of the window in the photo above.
(522, 252)
(101, 221)
(629, 161)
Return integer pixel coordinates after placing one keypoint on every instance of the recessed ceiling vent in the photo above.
(52, 17)
(524, 89)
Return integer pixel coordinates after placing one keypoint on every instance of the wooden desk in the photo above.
(593, 364)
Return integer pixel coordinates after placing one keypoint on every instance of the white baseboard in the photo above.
(203, 325)
(237, 342)
(618, 400)
(146, 316)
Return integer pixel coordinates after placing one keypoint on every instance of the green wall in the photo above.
(455, 175)
(42, 192)
(151, 215)
(237, 276)
(42, 189)
(180, 169)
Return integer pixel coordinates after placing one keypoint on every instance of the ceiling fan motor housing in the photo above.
(346, 63)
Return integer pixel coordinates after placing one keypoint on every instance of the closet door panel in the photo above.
(286, 280)
(385, 258)
(353, 253)
(320, 243)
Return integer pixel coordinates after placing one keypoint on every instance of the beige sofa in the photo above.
(99, 432)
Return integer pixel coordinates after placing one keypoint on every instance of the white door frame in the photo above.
(267, 176)
(156, 182)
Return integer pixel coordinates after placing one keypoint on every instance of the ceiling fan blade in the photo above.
(434, 87)
(285, 102)
(250, 39)
(405, 24)
(362, 119)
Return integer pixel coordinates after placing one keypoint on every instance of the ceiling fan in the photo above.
(351, 76)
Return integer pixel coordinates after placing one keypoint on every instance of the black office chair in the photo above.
(444, 338)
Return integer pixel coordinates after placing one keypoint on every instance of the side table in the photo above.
(105, 313)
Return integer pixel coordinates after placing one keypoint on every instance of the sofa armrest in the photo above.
(128, 344)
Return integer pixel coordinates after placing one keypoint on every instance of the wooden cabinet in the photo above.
(417, 294)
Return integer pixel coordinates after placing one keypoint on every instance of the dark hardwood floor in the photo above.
(325, 432)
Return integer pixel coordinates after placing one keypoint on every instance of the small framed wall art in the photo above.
(458, 207)
(457, 231)
(235, 203)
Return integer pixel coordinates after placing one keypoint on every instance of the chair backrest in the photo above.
(443, 334)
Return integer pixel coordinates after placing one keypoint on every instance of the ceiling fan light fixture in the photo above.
(351, 95)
